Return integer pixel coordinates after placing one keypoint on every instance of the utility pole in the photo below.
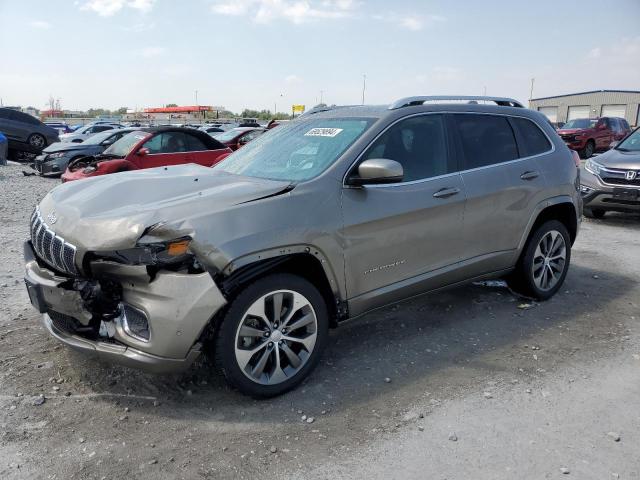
(364, 86)
(531, 92)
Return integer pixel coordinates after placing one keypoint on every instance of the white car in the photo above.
(86, 131)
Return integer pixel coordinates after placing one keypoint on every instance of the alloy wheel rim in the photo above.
(276, 337)
(549, 260)
(37, 141)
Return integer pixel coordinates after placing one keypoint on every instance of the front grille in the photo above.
(52, 248)
(622, 181)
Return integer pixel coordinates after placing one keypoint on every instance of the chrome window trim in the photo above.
(460, 172)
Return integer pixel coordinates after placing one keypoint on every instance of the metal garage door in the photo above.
(578, 112)
(614, 111)
(550, 112)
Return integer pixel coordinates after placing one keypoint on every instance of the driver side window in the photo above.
(418, 144)
(166, 142)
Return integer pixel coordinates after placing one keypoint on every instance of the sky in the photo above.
(266, 54)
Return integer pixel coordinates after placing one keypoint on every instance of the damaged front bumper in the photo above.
(125, 316)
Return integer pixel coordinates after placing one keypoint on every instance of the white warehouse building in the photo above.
(597, 103)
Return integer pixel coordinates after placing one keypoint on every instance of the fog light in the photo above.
(585, 190)
(135, 323)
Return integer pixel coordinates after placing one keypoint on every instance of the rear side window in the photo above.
(25, 118)
(101, 128)
(486, 140)
(418, 144)
(532, 141)
(194, 144)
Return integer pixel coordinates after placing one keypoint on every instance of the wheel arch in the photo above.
(302, 260)
(558, 208)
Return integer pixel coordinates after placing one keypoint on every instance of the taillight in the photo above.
(576, 158)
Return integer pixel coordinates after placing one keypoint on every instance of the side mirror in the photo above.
(601, 126)
(142, 152)
(614, 144)
(377, 171)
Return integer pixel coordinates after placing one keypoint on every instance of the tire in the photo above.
(529, 281)
(37, 141)
(588, 150)
(594, 213)
(275, 366)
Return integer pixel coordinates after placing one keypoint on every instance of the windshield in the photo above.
(631, 143)
(98, 138)
(295, 152)
(123, 146)
(229, 135)
(580, 123)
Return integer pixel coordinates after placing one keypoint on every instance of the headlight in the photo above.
(593, 167)
(56, 155)
(174, 252)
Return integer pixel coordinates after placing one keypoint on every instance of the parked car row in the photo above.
(315, 222)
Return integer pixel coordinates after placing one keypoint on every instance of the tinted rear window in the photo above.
(532, 140)
(486, 140)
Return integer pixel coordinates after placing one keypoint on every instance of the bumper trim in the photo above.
(121, 354)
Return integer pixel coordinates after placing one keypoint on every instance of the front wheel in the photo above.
(588, 150)
(272, 335)
(544, 263)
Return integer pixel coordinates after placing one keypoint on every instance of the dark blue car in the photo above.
(54, 159)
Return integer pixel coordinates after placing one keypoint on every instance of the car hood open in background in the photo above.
(619, 159)
(113, 211)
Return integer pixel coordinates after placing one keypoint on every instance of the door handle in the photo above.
(529, 175)
(446, 192)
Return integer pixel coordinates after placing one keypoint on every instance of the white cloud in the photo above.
(595, 52)
(295, 11)
(292, 79)
(41, 24)
(149, 52)
(412, 22)
(106, 8)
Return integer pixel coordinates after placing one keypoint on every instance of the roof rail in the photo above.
(413, 101)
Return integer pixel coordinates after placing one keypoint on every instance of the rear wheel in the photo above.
(37, 141)
(544, 263)
(588, 150)
(272, 335)
(594, 213)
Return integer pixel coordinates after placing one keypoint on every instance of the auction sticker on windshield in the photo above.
(323, 132)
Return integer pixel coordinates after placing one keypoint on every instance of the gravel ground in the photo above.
(468, 383)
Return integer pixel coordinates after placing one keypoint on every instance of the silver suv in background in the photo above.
(342, 211)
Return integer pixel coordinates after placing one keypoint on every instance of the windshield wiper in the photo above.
(622, 149)
(108, 155)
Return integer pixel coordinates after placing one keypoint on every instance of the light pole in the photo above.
(364, 86)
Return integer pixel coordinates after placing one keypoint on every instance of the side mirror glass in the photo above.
(377, 171)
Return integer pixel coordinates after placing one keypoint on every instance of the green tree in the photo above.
(169, 105)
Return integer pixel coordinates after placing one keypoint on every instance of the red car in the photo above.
(588, 135)
(237, 137)
(149, 148)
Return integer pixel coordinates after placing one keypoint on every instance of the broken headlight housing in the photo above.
(162, 254)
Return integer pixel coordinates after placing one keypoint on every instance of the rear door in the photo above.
(503, 184)
(396, 233)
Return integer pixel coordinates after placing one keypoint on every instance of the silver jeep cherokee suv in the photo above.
(340, 212)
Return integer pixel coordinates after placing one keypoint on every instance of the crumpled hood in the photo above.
(68, 146)
(113, 211)
(616, 159)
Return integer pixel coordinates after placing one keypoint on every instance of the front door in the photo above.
(395, 234)
(165, 148)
